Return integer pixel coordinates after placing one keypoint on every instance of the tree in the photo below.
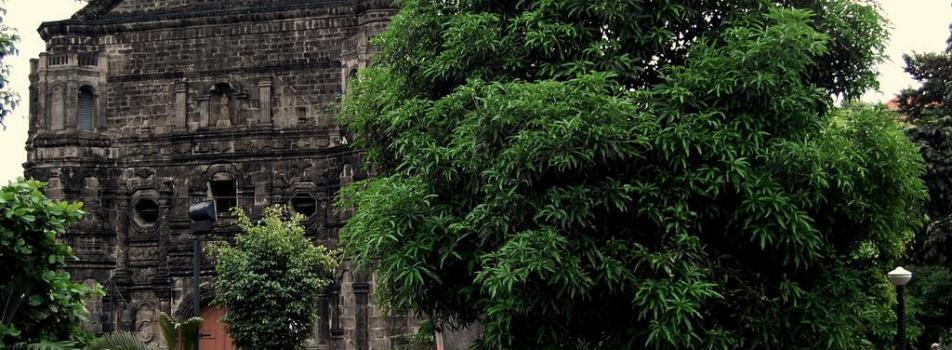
(8, 41)
(633, 174)
(269, 281)
(929, 110)
(40, 302)
(933, 70)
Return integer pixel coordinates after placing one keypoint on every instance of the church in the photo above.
(140, 108)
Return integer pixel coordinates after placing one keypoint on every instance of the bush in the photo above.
(269, 281)
(41, 303)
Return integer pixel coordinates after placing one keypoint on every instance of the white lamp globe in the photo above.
(899, 277)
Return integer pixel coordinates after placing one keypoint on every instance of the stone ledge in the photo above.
(186, 18)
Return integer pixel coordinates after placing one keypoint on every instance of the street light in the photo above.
(899, 278)
(202, 216)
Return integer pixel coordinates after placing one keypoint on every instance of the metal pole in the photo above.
(196, 283)
(900, 318)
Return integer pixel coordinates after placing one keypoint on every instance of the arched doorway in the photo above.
(213, 335)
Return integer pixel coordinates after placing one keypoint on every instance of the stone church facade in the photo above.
(140, 108)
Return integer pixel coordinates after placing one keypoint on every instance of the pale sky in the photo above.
(25, 16)
(917, 25)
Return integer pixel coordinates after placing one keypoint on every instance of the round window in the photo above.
(146, 211)
(304, 204)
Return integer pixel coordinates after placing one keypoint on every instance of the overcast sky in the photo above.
(917, 25)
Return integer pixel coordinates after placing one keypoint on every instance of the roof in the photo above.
(95, 8)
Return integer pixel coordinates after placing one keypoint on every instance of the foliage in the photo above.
(424, 339)
(8, 42)
(929, 296)
(118, 341)
(46, 345)
(40, 302)
(419, 342)
(929, 109)
(633, 174)
(180, 335)
(269, 280)
(933, 70)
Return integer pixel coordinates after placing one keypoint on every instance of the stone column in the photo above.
(122, 277)
(99, 109)
(361, 291)
(161, 281)
(56, 107)
(203, 106)
(337, 330)
(72, 101)
(264, 98)
(38, 84)
(323, 322)
(181, 105)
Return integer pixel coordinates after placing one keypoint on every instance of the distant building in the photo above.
(142, 107)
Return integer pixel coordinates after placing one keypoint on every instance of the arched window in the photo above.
(304, 204)
(222, 189)
(84, 112)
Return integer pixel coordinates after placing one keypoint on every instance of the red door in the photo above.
(213, 335)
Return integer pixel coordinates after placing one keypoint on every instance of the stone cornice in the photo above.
(313, 64)
(194, 17)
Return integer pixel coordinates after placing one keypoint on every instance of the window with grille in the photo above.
(84, 112)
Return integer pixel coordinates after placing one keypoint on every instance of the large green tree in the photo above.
(38, 301)
(629, 174)
(269, 280)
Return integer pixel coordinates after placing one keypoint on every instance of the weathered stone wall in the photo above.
(234, 104)
(146, 6)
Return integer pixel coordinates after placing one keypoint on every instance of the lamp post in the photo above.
(202, 216)
(899, 277)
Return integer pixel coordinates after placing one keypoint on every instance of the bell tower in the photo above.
(67, 147)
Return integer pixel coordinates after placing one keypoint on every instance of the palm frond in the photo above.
(189, 331)
(167, 326)
(180, 335)
(117, 341)
(45, 345)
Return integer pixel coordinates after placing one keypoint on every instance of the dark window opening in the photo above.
(223, 191)
(147, 211)
(88, 60)
(301, 115)
(84, 114)
(347, 172)
(303, 204)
